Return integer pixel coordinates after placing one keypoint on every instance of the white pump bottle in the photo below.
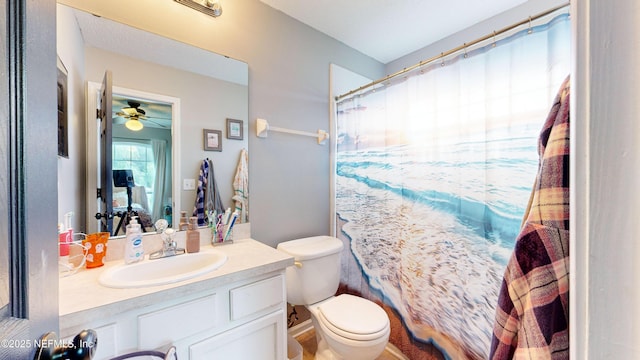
(133, 250)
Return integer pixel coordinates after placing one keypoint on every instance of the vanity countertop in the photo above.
(83, 298)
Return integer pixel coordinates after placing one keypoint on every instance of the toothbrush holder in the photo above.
(218, 236)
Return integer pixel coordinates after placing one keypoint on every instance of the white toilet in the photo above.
(347, 327)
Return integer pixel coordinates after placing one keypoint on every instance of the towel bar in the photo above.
(262, 130)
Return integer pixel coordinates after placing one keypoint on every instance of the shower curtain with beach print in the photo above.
(433, 176)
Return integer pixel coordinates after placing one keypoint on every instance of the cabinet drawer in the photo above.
(257, 296)
(168, 325)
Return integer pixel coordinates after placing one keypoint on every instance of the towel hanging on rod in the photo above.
(263, 127)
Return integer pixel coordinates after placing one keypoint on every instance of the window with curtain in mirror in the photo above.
(138, 157)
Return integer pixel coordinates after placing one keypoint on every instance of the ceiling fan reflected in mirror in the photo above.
(133, 116)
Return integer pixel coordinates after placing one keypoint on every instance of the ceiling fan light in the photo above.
(133, 125)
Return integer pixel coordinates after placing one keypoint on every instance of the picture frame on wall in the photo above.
(212, 140)
(235, 129)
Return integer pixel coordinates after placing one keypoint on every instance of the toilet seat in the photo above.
(353, 318)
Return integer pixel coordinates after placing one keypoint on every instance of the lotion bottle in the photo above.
(133, 250)
(193, 236)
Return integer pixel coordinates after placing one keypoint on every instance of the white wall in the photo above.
(71, 182)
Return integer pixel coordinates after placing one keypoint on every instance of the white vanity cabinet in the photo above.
(243, 320)
(238, 313)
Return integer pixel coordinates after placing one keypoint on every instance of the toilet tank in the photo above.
(316, 275)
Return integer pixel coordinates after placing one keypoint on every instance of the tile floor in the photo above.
(308, 342)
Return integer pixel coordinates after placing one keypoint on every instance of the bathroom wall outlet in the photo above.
(188, 184)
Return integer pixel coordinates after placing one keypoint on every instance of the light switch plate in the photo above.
(188, 184)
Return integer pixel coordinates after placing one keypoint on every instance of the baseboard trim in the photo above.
(393, 350)
(301, 328)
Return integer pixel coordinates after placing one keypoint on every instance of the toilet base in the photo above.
(325, 352)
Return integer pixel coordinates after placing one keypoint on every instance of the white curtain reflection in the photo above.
(160, 158)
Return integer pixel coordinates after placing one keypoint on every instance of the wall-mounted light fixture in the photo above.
(209, 7)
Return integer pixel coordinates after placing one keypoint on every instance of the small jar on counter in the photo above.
(184, 223)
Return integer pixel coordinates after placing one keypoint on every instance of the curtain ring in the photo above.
(465, 51)
(494, 39)
(530, 29)
(442, 57)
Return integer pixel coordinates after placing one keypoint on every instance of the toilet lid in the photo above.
(354, 317)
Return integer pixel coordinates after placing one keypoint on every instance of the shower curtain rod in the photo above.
(452, 51)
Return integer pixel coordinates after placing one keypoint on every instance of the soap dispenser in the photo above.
(193, 236)
(133, 250)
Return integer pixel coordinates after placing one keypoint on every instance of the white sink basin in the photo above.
(162, 271)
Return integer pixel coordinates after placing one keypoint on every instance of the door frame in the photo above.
(29, 143)
(93, 93)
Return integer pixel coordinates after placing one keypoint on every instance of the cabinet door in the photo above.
(264, 339)
(165, 326)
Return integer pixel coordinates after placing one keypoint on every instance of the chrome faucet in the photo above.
(170, 247)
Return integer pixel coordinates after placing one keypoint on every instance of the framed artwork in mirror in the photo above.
(63, 133)
(212, 140)
(234, 129)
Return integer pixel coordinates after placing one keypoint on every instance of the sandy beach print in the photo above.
(429, 240)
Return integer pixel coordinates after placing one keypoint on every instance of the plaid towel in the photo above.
(532, 317)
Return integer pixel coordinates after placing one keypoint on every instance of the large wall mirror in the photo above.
(175, 91)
